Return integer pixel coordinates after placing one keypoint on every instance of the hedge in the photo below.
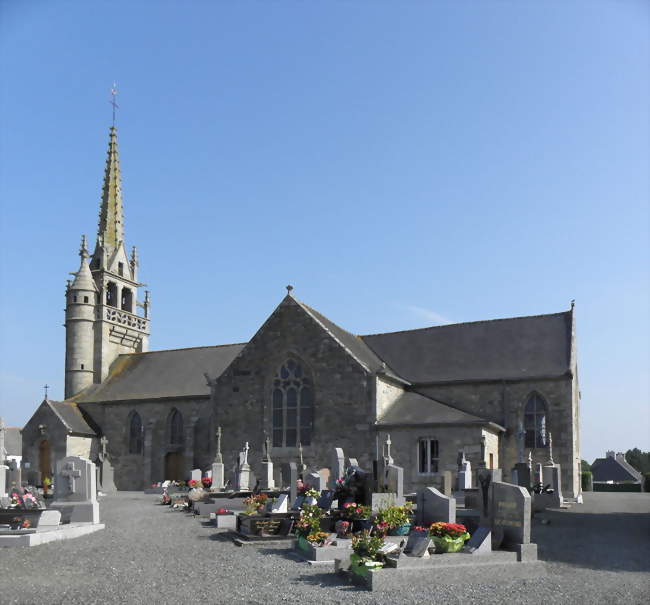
(587, 481)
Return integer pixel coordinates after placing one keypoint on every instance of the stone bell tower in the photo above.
(101, 311)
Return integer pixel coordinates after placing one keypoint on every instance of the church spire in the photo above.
(111, 219)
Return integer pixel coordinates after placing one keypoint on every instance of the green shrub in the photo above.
(646, 482)
(587, 481)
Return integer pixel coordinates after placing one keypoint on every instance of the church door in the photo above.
(175, 466)
(44, 460)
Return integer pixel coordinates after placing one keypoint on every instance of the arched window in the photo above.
(535, 421)
(428, 456)
(111, 294)
(175, 424)
(293, 406)
(135, 434)
(127, 300)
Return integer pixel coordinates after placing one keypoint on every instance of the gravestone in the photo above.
(551, 475)
(50, 518)
(510, 513)
(244, 471)
(538, 473)
(105, 468)
(395, 482)
(195, 474)
(293, 482)
(464, 473)
(418, 545)
(353, 462)
(523, 475)
(480, 542)
(447, 486)
(14, 478)
(75, 490)
(218, 475)
(432, 506)
(267, 480)
(315, 481)
(281, 504)
(338, 467)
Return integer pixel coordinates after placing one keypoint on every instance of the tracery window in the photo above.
(135, 434)
(535, 421)
(293, 406)
(175, 424)
(428, 456)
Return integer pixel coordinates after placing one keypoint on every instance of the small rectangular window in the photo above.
(428, 456)
(120, 268)
(85, 299)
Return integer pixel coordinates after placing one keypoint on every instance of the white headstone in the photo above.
(338, 467)
(195, 475)
(281, 504)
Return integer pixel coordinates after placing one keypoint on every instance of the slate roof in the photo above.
(71, 416)
(520, 347)
(354, 344)
(414, 409)
(13, 441)
(161, 374)
(610, 469)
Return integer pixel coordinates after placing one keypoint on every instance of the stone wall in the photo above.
(344, 403)
(133, 471)
(503, 403)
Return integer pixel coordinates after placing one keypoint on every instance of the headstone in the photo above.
(510, 512)
(395, 481)
(281, 504)
(15, 475)
(50, 518)
(218, 472)
(195, 474)
(338, 467)
(353, 462)
(293, 482)
(105, 468)
(316, 481)
(447, 486)
(418, 545)
(538, 473)
(244, 471)
(551, 475)
(480, 542)
(267, 480)
(432, 506)
(75, 490)
(465, 476)
(523, 477)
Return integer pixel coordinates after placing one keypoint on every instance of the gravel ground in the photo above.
(598, 552)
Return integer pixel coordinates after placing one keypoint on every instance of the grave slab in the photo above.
(49, 534)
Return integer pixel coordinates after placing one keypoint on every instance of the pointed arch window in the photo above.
(135, 433)
(293, 406)
(111, 294)
(535, 421)
(175, 424)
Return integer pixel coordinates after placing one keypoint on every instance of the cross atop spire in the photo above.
(111, 219)
(113, 101)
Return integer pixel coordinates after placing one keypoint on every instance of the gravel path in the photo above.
(597, 553)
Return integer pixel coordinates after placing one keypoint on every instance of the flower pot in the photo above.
(362, 525)
(303, 544)
(362, 568)
(447, 545)
(400, 530)
(342, 528)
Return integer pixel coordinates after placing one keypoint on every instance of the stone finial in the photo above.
(389, 458)
(267, 449)
(83, 249)
(218, 458)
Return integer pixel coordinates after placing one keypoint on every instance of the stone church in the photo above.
(496, 389)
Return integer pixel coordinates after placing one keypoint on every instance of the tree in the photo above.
(638, 459)
(585, 466)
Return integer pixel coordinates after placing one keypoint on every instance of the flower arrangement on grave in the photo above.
(309, 521)
(47, 483)
(366, 553)
(310, 492)
(358, 512)
(206, 482)
(317, 538)
(448, 537)
(380, 529)
(395, 519)
(342, 528)
(165, 498)
(224, 511)
(25, 500)
(255, 504)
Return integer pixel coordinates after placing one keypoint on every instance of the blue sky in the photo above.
(402, 164)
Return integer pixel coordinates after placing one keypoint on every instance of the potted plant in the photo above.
(255, 504)
(308, 524)
(317, 538)
(360, 516)
(365, 555)
(448, 537)
(397, 519)
(310, 494)
(206, 482)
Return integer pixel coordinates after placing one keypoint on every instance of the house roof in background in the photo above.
(610, 469)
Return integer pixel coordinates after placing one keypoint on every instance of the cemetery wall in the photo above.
(344, 399)
(133, 471)
(503, 403)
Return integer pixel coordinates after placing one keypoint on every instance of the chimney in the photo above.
(620, 457)
(610, 454)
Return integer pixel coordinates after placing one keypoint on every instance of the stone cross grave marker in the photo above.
(75, 490)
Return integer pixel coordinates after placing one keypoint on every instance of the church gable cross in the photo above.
(71, 473)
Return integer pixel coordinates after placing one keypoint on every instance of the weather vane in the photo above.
(113, 102)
